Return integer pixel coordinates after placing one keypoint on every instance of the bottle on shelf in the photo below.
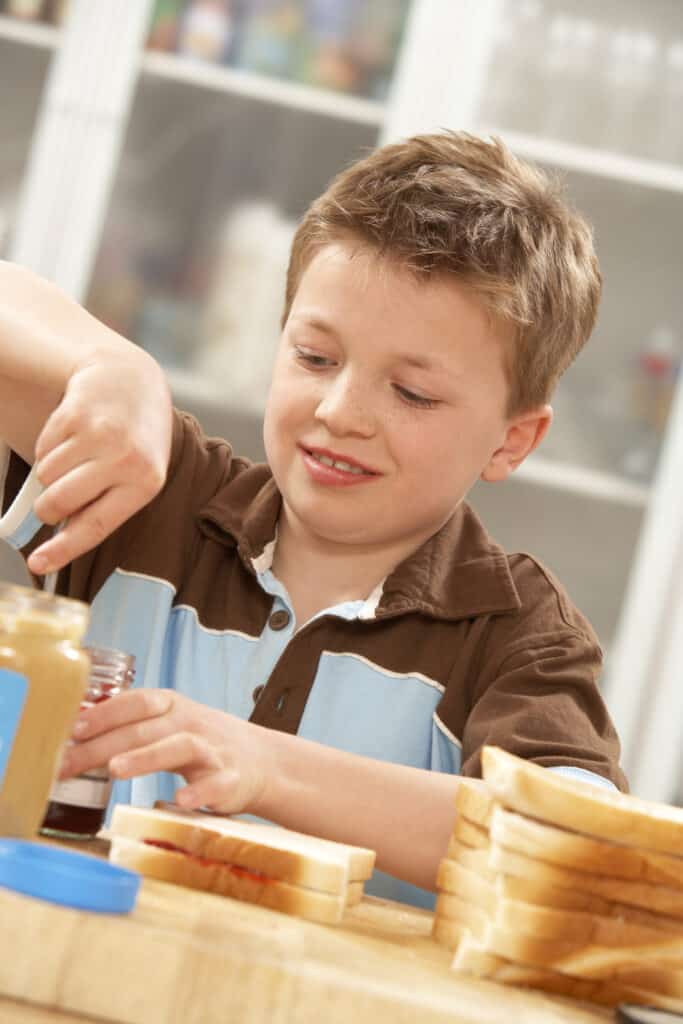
(241, 323)
(656, 371)
(206, 30)
(164, 24)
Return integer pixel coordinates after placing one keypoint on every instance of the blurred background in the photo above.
(156, 156)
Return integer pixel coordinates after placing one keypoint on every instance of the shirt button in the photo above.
(258, 690)
(279, 619)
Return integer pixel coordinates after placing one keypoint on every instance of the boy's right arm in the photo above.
(92, 410)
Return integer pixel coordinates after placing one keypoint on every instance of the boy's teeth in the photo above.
(337, 464)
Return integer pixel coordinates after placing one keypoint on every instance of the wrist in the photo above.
(277, 783)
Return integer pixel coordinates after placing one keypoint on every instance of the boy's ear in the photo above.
(524, 433)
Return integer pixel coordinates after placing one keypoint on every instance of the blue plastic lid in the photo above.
(64, 876)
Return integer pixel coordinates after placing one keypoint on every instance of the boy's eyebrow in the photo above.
(317, 323)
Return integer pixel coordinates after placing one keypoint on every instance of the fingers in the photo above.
(58, 429)
(127, 708)
(71, 493)
(181, 752)
(60, 460)
(220, 790)
(117, 726)
(85, 529)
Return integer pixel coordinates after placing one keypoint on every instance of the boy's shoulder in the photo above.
(470, 575)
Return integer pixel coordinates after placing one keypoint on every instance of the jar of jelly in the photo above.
(43, 676)
(77, 806)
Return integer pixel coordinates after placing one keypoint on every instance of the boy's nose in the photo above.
(345, 408)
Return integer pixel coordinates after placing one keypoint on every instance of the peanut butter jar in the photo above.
(43, 677)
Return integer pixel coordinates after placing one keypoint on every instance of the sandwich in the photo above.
(555, 884)
(292, 872)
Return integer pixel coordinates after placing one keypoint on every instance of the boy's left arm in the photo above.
(405, 814)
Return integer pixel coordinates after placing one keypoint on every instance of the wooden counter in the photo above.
(184, 957)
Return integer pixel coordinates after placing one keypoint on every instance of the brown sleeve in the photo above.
(535, 691)
(17, 472)
(542, 703)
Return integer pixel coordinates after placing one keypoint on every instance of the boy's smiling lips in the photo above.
(328, 467)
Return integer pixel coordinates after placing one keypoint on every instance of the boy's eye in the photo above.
(412, 399)
(313, 359)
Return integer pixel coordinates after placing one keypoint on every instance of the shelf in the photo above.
(261, 87)
(195, 388)
(591, 483)
(29, 33)
(604, 164)
(189, 386)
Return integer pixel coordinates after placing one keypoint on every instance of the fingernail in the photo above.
(80, 728)
(118, 765)
(38, 564)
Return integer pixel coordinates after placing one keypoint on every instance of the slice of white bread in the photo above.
(472, 957)
(276, 852)
(224, 880)
(467, 914)
(533, 888)
(448, 932)
(586, 961)
(505, 902)
(658, 898)
(470, 834)
(474, 859)
(474, 801)
(583, 853)
(538, 793)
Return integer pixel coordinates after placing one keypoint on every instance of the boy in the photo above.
(328, 640)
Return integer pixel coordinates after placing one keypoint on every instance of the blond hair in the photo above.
(455, 204)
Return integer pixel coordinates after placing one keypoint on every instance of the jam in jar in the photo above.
(77, 806)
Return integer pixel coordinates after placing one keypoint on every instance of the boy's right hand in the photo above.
(102, 454)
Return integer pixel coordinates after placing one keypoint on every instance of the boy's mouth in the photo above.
(342, 463)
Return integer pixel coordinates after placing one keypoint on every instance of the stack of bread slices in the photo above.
(556, 884)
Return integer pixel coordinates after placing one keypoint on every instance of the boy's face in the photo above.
(401, 384)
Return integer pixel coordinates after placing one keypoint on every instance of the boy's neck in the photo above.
(319, 574)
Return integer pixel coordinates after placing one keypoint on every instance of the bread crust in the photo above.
(584, 853)
(537, 793)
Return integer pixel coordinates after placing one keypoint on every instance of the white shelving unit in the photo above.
(29, 33)
(587, 482)
(585, 160)
(276, 91)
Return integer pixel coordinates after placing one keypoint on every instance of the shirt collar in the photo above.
(458, 573)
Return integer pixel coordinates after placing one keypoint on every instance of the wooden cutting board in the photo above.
(184, 957)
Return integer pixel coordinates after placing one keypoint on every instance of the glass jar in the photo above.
(43, 676)
(77, 806)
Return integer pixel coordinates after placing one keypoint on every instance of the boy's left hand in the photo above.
(222, 758)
